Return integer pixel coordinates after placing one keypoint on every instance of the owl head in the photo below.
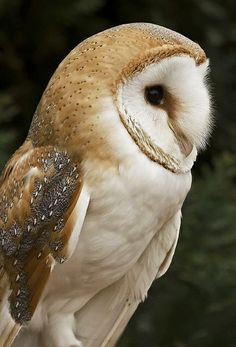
(133, 88)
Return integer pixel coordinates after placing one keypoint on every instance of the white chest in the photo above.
(128, 207)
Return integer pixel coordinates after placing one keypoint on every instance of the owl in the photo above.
(91, 202)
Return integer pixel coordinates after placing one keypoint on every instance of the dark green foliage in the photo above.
(194, 305)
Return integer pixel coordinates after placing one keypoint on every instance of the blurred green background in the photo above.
(194, 304)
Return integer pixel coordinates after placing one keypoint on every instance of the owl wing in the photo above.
(42, 197)
(102, 320)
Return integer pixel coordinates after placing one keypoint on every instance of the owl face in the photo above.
(167, 103)
(135, 86)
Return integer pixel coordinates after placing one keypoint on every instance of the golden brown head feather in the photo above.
(71, 104)
(39, 193)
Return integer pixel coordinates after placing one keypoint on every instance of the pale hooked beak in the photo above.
(184, 144)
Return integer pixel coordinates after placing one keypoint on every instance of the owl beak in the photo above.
(184, 144)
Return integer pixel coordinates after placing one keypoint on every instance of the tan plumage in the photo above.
(39, 192)
(72, 144)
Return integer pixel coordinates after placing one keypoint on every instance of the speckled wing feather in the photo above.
(38, 192)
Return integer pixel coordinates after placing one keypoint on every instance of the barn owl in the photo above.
(91, 202)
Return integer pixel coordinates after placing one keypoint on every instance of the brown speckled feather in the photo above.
(38, 192)
(42, 183)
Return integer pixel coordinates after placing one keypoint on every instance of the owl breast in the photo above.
(129, 205)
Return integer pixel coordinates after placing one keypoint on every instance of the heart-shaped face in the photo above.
(149, 78)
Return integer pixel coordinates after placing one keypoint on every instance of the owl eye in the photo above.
(154, 95)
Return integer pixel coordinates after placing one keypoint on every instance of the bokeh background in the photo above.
(194, 304)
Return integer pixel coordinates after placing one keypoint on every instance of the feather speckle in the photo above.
(30, 232)
(99, 183)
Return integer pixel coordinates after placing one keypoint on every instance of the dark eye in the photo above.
(154, 95)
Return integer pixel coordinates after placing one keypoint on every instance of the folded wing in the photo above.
(38, 193)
